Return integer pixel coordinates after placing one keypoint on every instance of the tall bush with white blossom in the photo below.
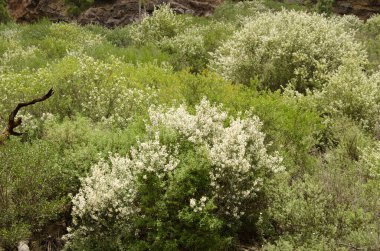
(288, 47)
(111, 199)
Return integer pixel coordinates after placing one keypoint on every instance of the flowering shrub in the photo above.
(34, 46)
(287, 47)
(352, 93)
(372, 25)
(152, 29)
(116, 105)
(110, 192)
(236, 165)
(191, 48)
(371, 160)
(371, 37)
(236, 152)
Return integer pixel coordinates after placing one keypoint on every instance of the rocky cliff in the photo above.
(121, 12)
(361, 8)
(114, 13)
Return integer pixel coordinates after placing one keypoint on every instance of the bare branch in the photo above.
(14, 122)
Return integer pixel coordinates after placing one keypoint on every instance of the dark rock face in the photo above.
(122, 12)
(200, 8)
(361, 8)
(116, 13)
(32, 10)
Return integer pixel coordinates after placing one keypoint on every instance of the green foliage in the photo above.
(231, 11)
(289, 5)
(4, 15)
(325, 209)
(120, 91)
(77, 6)
(33, 190)
(292, 127)
(325, 6)
(192, 47)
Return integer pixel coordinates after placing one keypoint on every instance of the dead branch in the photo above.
(14, 122)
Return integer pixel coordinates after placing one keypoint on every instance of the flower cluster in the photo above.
(237, 152)
(198, 128)
(110, 191)
(370, 159)
(198, 206)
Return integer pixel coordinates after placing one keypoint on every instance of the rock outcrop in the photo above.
(114, 13)
(361, 8)
(122, 12)
(118, 13)
(200, 8)
(33, 10)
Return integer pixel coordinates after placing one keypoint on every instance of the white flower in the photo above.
(193, 202)
(236, 152)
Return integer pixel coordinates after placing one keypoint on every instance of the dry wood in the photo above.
(14, 122)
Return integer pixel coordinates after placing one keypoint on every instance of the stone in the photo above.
(23, 246)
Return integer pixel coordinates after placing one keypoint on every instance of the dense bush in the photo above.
(370, 35)
(163, 23)
(287, 47)
(326, 208)
(325, 6)
(350, 92)
(191, 48)
(32, 190)
(234, 165)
